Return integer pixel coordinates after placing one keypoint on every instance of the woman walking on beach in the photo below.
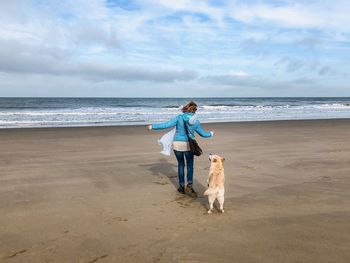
(180, 144)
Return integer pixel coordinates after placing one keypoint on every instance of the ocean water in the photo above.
(65, 112)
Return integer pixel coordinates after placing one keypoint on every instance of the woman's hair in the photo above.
(190, 107)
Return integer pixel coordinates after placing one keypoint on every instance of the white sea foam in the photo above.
(100, 114)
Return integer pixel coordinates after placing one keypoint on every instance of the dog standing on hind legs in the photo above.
(216, 181)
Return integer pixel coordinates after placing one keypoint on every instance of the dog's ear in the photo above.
(222, 159)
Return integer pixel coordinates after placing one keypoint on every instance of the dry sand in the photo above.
(105, 194)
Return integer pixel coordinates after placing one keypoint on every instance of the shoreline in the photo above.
(203, 123)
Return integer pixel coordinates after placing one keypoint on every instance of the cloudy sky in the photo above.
(174, 48)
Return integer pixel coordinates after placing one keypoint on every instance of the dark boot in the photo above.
(181, 189)
(190, 191)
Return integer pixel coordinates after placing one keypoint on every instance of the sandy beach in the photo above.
(106, 194)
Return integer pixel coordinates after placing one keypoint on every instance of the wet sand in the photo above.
(105, 194)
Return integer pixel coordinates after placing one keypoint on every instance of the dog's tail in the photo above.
(211, 190)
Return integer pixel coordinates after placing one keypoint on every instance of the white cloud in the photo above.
(167, 42)
(239, 74)
(17, 58)
(293, 16)
(321, 15)
(259, 82)
(190, 6)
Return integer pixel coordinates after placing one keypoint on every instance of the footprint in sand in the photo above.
(247, 167)
(116, 219)
(16, 253)
(97, 258)
(326, 178)
(161, 180)
(184, 201)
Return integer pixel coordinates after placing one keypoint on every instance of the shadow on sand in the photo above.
(163, 168)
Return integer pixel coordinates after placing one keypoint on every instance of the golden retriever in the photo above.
(216, 182)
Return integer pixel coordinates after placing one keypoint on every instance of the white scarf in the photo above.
(167, 141)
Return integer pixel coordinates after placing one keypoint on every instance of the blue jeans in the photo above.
(181, 156)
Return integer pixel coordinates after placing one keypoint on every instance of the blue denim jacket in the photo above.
(179, 121)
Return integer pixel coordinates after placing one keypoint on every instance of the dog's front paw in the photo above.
(222, 211)
(210, 212)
